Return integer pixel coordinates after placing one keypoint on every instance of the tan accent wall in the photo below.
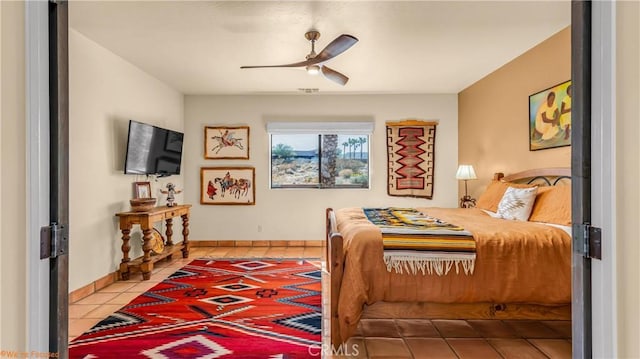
(493, 113)
(627, 167)
(13, 224)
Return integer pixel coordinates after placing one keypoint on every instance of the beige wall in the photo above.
(627, 173)
(106, 92)
(494, 112)
(298, 214)
(13, 226)
(1, 173)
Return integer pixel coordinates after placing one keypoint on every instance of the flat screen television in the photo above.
(152, 150)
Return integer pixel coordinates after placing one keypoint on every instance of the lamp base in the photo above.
(467, 202)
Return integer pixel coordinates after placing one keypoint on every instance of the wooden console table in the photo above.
(146, 220)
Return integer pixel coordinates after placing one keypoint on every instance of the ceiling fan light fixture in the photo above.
(313, 69)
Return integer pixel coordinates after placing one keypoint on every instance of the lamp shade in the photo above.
(466, 172)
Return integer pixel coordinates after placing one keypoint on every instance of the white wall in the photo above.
(298, 214)
(105, 92)
(627, 173)
(13, 226)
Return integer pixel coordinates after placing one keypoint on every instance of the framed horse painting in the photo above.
(222, 142)
(227, 185)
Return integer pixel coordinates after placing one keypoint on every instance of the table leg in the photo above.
(124, 264)
(185, 235)
(169, 231)
(147, 265)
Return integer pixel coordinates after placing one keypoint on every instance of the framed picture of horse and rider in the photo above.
(227, 185)
(222, 142)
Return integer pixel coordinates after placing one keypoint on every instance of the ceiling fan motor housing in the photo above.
(312, 35)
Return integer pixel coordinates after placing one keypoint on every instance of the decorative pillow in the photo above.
(492, 196)
(553, 205)
(517, 203)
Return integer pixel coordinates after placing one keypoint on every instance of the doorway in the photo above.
(582, 174)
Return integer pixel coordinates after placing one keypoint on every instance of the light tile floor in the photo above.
(376, 338)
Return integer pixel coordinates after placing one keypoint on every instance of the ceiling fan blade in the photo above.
(339, 45)
(295, 64)
(334, 75)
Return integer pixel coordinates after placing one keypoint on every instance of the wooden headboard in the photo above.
(541, 176)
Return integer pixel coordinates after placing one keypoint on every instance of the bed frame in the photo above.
(431, 310)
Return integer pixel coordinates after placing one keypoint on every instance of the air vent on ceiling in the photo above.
(308, 90)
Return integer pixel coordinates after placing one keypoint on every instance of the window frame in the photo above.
(319, 129)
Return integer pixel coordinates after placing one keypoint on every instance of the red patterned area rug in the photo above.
(241, 308)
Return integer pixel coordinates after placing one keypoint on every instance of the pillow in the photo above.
(491, 197)
(553, 205)
(517, 203)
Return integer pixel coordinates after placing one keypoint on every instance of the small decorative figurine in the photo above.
(171, 192)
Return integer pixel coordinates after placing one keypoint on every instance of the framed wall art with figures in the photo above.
(227, 185)
(223, 142)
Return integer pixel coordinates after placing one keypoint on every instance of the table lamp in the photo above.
(465, 173)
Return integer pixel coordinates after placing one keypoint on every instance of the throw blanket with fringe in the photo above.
(414, 242)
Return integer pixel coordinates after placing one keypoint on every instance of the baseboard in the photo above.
(92, 287)
(230, 243)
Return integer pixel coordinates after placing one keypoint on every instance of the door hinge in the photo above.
(592, 241)
(53, 240)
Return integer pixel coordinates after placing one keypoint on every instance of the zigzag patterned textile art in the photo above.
(242, 308)
(410, 158)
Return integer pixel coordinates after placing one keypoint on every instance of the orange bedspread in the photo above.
(517, 262)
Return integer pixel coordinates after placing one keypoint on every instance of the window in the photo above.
(326, 156)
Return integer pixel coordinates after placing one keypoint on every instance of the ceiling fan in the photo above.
(314, 63)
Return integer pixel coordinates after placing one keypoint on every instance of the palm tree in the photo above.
(345, 144)
(352, 145)
(361, 141)
(328, 171)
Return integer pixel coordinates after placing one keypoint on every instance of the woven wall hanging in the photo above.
(410, 158)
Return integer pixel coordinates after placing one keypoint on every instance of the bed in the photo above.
(521, 269)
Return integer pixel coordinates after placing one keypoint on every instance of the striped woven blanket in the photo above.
(415, 242)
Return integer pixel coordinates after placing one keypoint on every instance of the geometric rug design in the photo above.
(217, 308)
